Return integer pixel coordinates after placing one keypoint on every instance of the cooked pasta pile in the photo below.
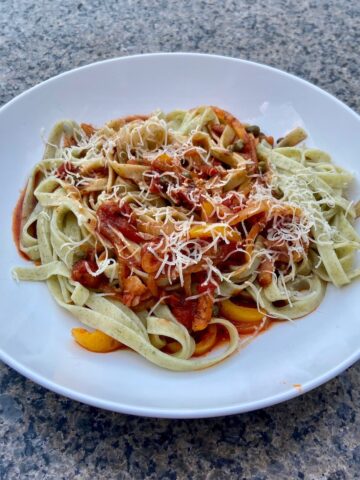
(173, 232)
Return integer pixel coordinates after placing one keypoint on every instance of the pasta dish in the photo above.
(172, 234)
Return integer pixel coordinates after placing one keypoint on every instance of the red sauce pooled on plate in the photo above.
(16, 223)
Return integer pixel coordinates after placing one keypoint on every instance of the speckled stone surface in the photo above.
(45, 436)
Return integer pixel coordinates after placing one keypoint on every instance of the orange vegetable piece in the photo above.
(203, 313)
(249, 328)
(152, 285)
(149, 263)
(173, 347)
(96, 341)
(207, 210)
(211, 229)
(266, 270)
(68, 141)
(165, 163)
(88, 129)
(267, 207)
(229, 119)
(207, 341)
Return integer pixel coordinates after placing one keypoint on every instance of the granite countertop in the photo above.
(316, 436)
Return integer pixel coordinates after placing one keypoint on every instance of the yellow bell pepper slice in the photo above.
(173, 347)
(211, 229)
(239, 313)
(207, 341)
(207, 210)
(96, 341)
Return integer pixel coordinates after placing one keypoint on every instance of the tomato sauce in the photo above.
(222, 338)
(111, 216)
(65, 169)
(80, 273)
(227, 255)
(98, 172)
(17, 224)
(182, 309)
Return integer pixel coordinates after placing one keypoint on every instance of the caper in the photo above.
(277, 193)
(262, 167)
(184, 162)
(254, 129)
(237, 146)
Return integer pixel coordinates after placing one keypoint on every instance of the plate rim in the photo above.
(181, 54)
(156, 412)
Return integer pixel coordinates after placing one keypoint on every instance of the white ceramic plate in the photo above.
(35, 334)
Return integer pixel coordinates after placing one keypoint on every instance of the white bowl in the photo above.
(286, 361)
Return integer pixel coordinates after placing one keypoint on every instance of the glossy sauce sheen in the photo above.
(222, 337)
(16, 224)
